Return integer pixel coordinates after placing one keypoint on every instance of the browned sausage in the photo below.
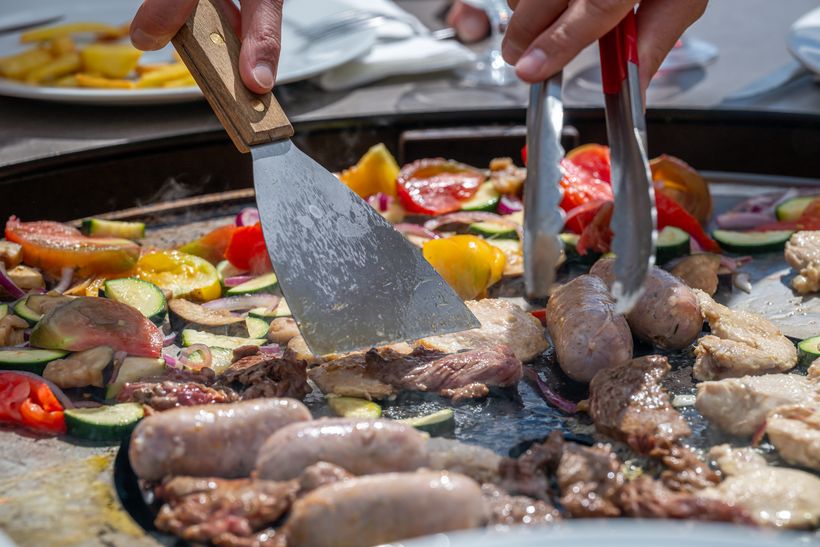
(209, 440)
(358, 446)
(587, 333)
(379, 509)
(667, 314)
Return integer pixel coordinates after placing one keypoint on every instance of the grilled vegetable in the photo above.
(33, 307)
(436, 186)
(29, 402)
(29, 360)
(486, 198)
(26, 278)
(491, 230)
(184, 275)
(113, 228)
(752, 242)
(212, 246)
(281, 310)
(133, 369)
(246, 250)
(672, 243)
(221, 358)
(376, 172)
(442, 422)
(191, 337)
(792, 209)
(141, 295)
(81, 369)
(88, 322)
(677, 180)
(264, 283)
(11, 254)
(468, 263)
(104, 423)
(352, 407)
(257, 328)
(200, 315)
(21, 309)
(809, 350)
(4, 310)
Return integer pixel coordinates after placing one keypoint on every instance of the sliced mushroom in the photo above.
(698, 271)
(199, 315)
(282, 330)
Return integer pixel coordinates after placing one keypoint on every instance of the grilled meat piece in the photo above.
(628, 403)
(224, 512)
(266, 375)
(775, 496)
(685, 470)
(502, 323)
(738, 406)
(795, 431)
(741, 344)
(378, 509)
(528, 475)
(698, 271)
(667, 313)
(803, 254)
(166, 394)
(506, 510)
(209, 440)
(381, 373)
(588, 335)
(359, 446)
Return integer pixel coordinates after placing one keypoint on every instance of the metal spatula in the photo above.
(634, 218)
(350, 279)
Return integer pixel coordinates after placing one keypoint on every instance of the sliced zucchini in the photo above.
(113, 228)
(225, 270)
(493, 230)
(352, 407)
(438, 423)
(191, 337)
(134, 369)
(791, 209)
(281, 310)
(809, 350)
(29, 360)
(571, 249)
(485, 199)
(263, 283)
(22, 309)
(672, 243)
(752, 242)
(142, 295)
(221, 359)
(105, 423)
(4, 310)
(257, 328)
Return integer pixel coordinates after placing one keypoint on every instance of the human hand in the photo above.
(470, 23)
(544, 35)
(258, 24)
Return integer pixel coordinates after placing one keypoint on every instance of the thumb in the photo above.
(261, 43)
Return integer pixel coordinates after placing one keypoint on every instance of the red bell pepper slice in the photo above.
(212, 245)
(26, 402)
(246, 250)
(671, 213)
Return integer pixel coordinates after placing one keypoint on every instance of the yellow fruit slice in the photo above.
(469, 264)
(184, 275)
(376, 172)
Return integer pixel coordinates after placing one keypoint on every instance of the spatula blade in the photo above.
(351, 280)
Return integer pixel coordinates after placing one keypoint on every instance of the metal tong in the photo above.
(634, 218)
(543, 217)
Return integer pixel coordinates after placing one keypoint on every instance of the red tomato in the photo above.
(579, 218)
(212, 245)
(597, 235)
(30, 403)
(581, 187)
(592, 158)
(671, 213)
(436, 186)
(541, 315)
(246, 250)
(809, 220)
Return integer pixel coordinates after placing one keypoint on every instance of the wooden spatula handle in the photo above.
(210, 49)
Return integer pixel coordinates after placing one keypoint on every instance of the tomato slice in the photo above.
(597, 235)
(581, 187)
(30, 403)
(247, 250)
(592, 158)
(580, 217)
(436, 186)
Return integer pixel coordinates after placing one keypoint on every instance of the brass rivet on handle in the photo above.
(258, 105)
(217, 39)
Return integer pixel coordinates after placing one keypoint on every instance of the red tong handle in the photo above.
(618, 47)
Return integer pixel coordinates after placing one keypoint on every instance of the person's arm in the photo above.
(544, 35)
(258, 24)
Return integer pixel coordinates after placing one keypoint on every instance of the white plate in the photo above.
(618, 533)
(299, 60)
(804, 40)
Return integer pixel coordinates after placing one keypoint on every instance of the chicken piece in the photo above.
(506, 510)
(502, 322)
(775, 496)
(628, 403)
(699, 271)
(12, 330)
(803, 254)
(795, 431)
(81, 369)
(738, 406)
(741, 344)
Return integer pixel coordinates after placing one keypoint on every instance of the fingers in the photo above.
(471, 24)
(261, 43)
(529, 19)
(583, 22)
(157, 21)
(660, 24)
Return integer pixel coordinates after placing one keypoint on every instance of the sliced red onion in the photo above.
(247, 216)
(58, 393)
(9, 285)
(416, 230)
(733, 264)
(244, 302)
(237, 280)
(552, 398)
(65, 280)
(170, 339)
(741, 281)
(380, 201)
(207, 357)
(509, 204)
(743, 220)
(270, 349)
(465, 217)
(170, 361)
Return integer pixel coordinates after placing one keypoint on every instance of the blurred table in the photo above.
(36, 137)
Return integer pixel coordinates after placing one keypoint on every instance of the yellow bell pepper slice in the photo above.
(42, 34)
(376, 172)
(110, 60)
(57, 68)
(184, 275)
(92, 80)
(18, 65)
(469, 264)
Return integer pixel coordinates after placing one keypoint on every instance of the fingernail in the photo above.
(531, 65)
(472, 26)
(143, 40)
(263, 75)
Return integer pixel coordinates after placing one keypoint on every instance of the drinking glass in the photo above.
(490, 69)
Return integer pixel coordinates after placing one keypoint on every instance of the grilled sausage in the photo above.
(587, 333)
(379, 509)
(358, 446)
(209, 440)
(667, 314)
